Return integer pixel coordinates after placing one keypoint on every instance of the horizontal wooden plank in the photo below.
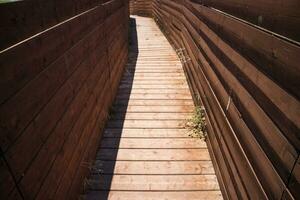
(153, 154)
(162, 86)
(146, 124)
(136, 78)
(154, 74)
(149, 68)
(154, 82)
(162, 71)
(153, 167)
(146, 96)
(151, 143)
(135, 195)
(154, 182)
(154, 102)
(154, 91)
(144, 133)
(154, 109)
(151, 116)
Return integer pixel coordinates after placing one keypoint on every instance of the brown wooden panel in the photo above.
(55, 175)
(273, 56)
(83, 170)
(141, 7)
(7, 182)
(53, 103)
(294, 182)
(185, 25)
(22, 19)
(282, 17)
(22, 152)
(22, 107)
(77, 153)
(264, 124)
(20, 66)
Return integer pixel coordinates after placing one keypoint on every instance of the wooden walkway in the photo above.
(145, 152)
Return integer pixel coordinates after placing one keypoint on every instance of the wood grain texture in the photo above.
(114, 195)
(56, 90)
(228, 73)
(22, 19)
(140, 7)
(283, 17)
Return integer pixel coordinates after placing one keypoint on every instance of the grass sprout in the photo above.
(197, 124)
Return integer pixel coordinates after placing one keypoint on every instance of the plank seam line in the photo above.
(11, 173)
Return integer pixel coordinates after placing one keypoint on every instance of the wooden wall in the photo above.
(140, 7)
(281, 16)
(248, 81)
(56, 89)
(22, 19)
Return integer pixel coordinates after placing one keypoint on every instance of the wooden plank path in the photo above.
(145, 152)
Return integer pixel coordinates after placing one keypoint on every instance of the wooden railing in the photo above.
(60, 66)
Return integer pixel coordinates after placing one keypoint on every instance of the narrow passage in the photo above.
(145, 151)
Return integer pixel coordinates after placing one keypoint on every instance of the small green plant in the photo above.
(196, 124)
(8, 1)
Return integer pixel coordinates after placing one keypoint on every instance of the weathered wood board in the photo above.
(60, 65)
(248, 80)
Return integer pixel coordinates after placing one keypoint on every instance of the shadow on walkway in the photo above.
(104, 165)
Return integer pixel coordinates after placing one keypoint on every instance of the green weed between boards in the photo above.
(197, 124)
(8, 1)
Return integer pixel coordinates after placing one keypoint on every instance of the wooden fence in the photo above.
(248, 80)
(140, 7)
(282, 16)
(60, 65)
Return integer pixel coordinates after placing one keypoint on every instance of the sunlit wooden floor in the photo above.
(145, 151)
